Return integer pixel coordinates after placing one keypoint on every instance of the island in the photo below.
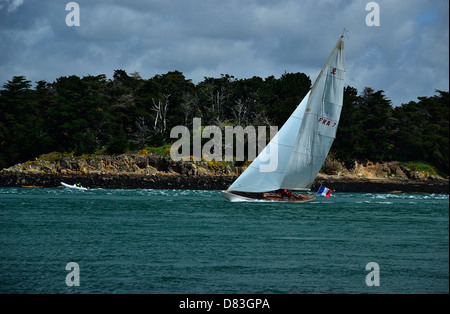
(152, 171)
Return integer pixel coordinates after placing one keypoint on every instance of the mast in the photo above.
(298, 150)
(339, 46)
(318, 129)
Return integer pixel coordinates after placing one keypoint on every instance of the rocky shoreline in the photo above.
(136, 181)
(133, 171)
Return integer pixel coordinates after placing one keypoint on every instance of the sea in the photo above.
(132, 241)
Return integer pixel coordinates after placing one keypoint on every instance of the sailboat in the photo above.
(291, 161)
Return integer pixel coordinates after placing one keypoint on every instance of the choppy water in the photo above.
(174, 241)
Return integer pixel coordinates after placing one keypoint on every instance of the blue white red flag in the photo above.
(324, 191)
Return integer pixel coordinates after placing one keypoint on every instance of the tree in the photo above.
(20, 122)
(290, 89)
(374, 112)
(82, 115)
(347, 145)
(421, 130)
(160, 109)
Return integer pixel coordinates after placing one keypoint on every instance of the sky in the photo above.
(406, 56)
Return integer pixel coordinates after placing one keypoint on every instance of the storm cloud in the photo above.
(407, 56)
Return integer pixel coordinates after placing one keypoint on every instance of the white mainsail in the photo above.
(294, 156)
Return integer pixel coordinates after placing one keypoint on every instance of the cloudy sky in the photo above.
(407, 55)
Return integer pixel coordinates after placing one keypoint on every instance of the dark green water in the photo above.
(173, 241)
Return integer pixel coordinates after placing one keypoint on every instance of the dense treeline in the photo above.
(96, 114)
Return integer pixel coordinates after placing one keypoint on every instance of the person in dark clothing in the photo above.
(286, 193)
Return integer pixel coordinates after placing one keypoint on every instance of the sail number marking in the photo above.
(327, 122)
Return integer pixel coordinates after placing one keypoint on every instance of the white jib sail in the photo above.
(295, 155)
(267, 171)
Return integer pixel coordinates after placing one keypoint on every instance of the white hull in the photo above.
(73, 187)
(236, 198)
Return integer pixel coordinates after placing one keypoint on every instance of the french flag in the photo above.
(324, 191)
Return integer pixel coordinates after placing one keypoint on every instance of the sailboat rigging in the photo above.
(294, 156)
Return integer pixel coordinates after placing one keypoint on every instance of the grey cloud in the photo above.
(407, 56)
(10, 5)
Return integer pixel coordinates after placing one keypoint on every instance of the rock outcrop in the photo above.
(149, 171)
